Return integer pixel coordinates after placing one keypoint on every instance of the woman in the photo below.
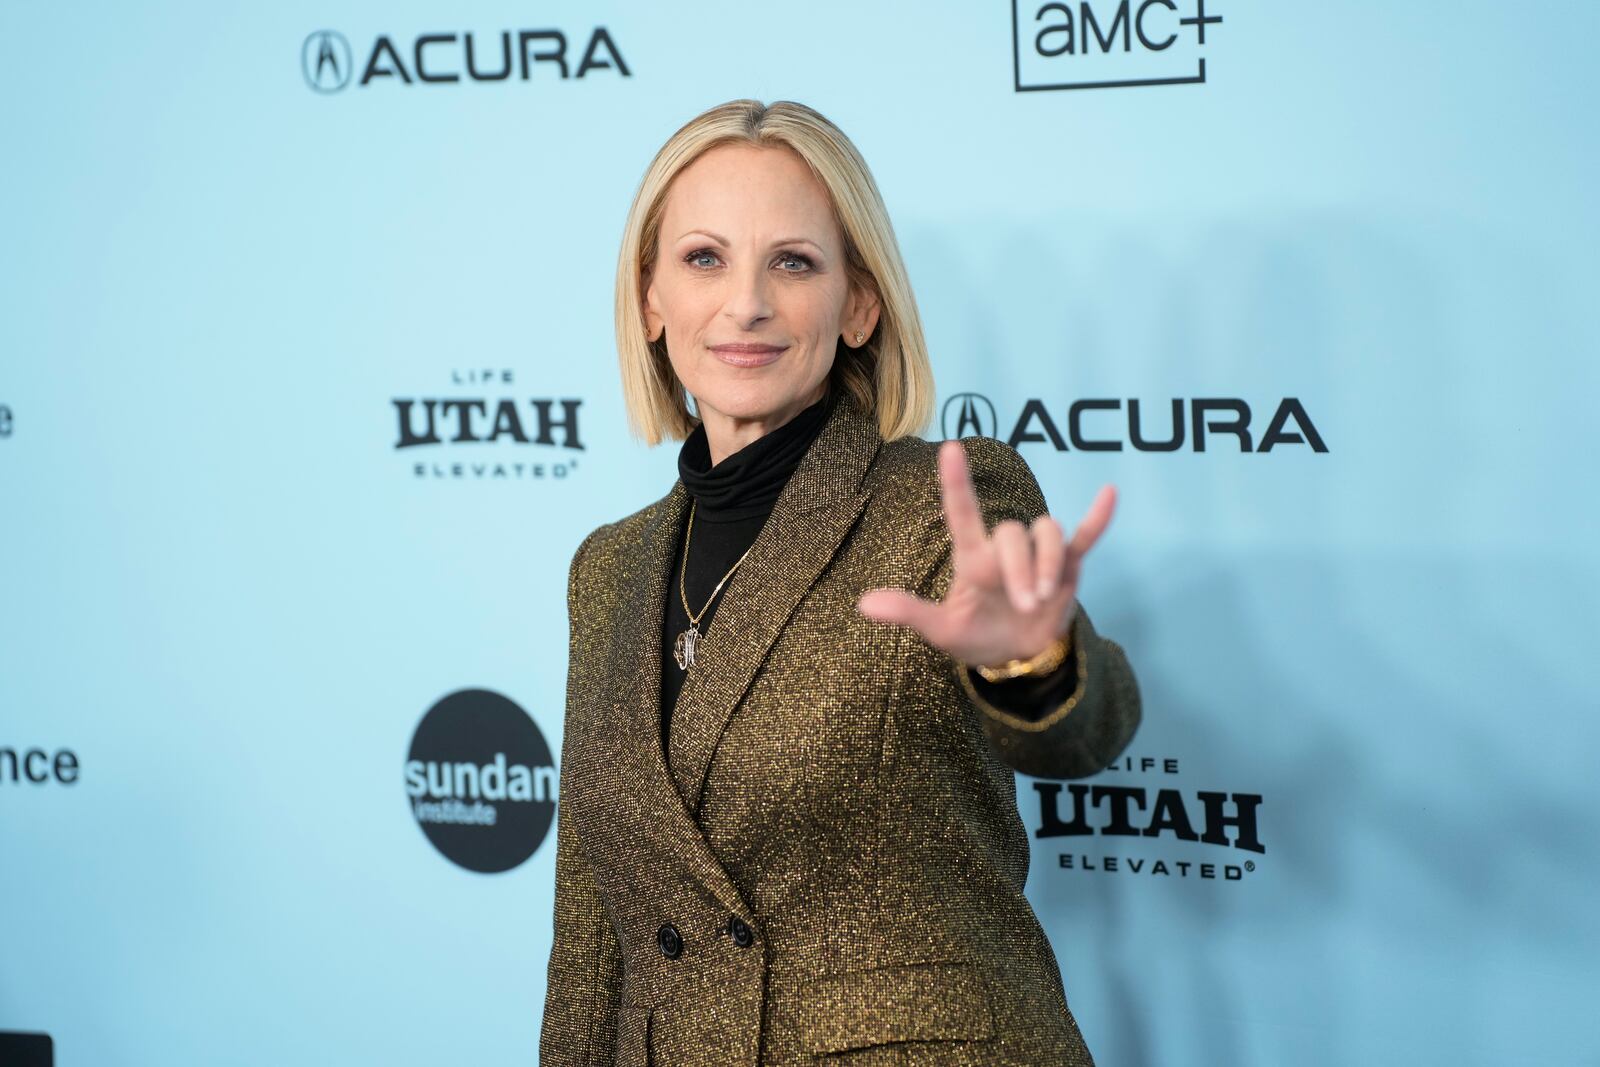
(792, 836)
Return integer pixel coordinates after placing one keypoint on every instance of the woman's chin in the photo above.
(756, 403)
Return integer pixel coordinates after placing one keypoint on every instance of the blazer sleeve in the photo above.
(584, 976)
(1091, 726)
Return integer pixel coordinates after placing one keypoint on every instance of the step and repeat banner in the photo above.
(308, 392)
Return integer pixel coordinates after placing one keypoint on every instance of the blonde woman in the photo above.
(800, 682)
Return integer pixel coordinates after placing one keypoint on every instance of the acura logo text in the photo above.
(328, 64)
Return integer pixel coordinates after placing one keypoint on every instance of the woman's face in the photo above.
(749, 285)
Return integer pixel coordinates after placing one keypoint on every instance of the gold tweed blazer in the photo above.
(830, 865)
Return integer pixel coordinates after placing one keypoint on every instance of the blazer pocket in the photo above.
(940, 1001)
(633, 1036)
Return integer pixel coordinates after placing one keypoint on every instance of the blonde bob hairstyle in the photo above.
(889, 377)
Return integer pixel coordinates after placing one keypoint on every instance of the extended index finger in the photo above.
(961, 509)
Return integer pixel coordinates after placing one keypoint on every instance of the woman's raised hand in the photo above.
(1012, 592)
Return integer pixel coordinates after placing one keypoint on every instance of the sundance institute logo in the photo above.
(480, 780)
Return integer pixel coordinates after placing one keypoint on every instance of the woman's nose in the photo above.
(749, 298)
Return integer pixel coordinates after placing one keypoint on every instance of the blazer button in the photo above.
(669, 941)
(741, 933)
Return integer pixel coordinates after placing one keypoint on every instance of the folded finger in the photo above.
(1049, 552)
(1014, 549)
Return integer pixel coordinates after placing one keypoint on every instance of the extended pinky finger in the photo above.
(1094, 522)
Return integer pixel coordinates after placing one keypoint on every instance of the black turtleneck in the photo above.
(731, 503)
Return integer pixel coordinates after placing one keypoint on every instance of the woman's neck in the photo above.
(748, 482)
(727, 434)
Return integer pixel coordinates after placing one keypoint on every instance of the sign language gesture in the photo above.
(1011, 594)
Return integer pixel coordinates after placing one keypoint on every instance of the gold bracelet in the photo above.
(1034, 666)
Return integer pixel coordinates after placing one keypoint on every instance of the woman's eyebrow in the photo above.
(799, 241)
(780, 241)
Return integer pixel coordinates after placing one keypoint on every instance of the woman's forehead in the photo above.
(737, 193)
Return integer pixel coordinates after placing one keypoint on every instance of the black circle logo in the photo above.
(480, 781)
(966, 415)
(325, 61)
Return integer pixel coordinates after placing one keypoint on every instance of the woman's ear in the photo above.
(861, 313)
(653, 323)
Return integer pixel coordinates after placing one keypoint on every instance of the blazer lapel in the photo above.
(818, 506)
(660, 818)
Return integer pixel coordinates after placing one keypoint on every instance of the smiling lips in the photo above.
(748, 355)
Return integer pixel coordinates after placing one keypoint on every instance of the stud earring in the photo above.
(858, 337)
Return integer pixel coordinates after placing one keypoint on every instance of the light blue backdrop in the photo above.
(232, 599)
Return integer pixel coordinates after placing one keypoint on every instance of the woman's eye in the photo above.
(705, 258)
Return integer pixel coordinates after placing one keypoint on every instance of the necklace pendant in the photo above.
(683, 649)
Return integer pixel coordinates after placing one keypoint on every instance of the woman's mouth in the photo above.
(748, 355)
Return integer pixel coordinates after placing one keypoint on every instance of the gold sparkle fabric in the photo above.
(838, 792)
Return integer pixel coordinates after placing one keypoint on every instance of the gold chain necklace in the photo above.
(683, 649)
